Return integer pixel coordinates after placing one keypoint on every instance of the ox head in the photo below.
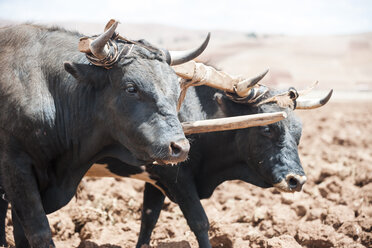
(270, 152)
(137, 92)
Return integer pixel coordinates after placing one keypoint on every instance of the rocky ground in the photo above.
(334, 209)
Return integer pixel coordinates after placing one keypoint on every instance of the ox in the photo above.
(265, 156)
(58, 117)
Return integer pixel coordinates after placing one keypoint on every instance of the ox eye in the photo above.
(131, 89)
(267, 132)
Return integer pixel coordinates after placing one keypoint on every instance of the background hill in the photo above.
(341, 62)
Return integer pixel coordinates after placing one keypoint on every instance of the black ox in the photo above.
(265, 156)
(58, 117)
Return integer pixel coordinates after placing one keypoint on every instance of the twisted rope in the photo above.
(254, 97)
(112, 56)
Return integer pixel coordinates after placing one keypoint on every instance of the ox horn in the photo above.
(230, 123)
(98, 46)
(312, 103)
(244, 87)
(180, 57)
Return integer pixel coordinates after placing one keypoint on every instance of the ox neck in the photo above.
(76, 106)
(217, 161)
(221, 163)
(78, 137)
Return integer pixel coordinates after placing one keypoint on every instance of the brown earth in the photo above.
(334, 209)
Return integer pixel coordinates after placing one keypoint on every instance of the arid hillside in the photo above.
(338, 62)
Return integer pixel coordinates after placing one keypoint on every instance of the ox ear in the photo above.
(87, 74)
(221, 101)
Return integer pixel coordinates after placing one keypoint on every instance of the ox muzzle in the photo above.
(291, 183)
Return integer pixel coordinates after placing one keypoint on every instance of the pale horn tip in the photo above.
(326, 99)
(180, 57)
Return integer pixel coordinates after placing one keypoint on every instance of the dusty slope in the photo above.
(339, 62)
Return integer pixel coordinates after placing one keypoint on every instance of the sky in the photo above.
(293, 17)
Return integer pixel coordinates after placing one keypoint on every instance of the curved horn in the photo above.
(180, 57)
(312, 103)
(244, 87)
(98, 46)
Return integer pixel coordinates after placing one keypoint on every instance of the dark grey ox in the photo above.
(265, 156)
(57, 117)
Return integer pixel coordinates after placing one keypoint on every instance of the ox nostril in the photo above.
(295, 182)
(178, 151)
(175, 149)
(292, 182)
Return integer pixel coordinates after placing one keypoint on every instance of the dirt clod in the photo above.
(284, 241)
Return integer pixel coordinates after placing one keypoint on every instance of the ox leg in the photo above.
(3, 210)
(18, 233)
(187, 197)
(21, 189)
(153, 200)
(19, 236)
